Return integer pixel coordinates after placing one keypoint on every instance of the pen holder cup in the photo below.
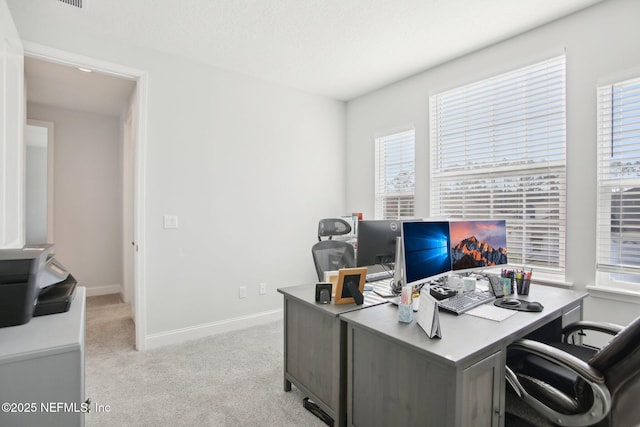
(405, 313)
(523, 286)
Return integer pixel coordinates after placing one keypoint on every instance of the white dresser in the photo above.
(42, 369)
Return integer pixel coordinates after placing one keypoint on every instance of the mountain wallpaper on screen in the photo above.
(471, 252)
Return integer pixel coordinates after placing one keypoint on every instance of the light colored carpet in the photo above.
(231, 379)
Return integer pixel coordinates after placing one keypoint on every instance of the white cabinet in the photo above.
(42, 369)
(12, 123)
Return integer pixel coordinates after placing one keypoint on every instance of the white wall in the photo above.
(600, 43)
(247, 166)
(36, 193)
(87, 194)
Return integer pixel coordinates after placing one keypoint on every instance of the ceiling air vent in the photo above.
(76, 3)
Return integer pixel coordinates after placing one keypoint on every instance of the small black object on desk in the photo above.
(518, 304)
(323, 293)
(441, 292)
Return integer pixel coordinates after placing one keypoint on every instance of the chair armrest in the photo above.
(561, 358)
(607, 328)
(593, 378)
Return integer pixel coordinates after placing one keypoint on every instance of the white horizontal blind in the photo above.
(618, 234)
(395, 175)
(498, 151)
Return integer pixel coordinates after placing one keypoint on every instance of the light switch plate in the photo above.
(170, 221)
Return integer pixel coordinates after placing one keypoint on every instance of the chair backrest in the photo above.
(621, 345)
(619, 361)
(330, 227)
(331, 255)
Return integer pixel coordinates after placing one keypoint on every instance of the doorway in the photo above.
(131, 138)
(39, 182)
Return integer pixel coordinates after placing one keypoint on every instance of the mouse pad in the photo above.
(515, 304)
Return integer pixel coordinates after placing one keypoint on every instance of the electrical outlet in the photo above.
(263, 288)
(242, 291)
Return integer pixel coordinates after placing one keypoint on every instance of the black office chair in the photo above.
(331, 255)
(575, 385)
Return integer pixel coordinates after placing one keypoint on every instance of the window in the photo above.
(395, 175)
(618, 222)
(498, 151)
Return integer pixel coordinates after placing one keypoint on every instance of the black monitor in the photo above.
(478, 244)
(377, 242)
(426, 247)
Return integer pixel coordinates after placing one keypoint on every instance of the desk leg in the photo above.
(287, 383)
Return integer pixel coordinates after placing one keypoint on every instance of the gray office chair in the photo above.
(331, 255)
(330, 227)
(575, 385)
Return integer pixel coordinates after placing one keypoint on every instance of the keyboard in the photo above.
(462, 302)
(380, 275)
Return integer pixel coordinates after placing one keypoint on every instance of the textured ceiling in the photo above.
(336, 48)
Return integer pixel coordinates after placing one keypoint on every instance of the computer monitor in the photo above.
(478, 244)
(377, 242)
(426, 251)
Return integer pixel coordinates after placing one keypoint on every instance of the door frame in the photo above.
(47, 53)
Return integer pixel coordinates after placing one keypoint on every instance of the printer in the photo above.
(32, 283)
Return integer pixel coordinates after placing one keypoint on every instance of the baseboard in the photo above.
(178, 336)
(94, 291)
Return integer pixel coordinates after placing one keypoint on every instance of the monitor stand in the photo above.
(398, 272)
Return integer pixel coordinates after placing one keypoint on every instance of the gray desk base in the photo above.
(315, 351)
(391, 384)
(398, 376)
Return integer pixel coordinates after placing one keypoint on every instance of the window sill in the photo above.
(549, 280)
(556, 283)
(615, 294)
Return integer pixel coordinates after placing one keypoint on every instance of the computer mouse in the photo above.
(511, 302)
(534, 306)
(368, 287)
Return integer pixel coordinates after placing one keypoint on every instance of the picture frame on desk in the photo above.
(350, 279)
(332, 277)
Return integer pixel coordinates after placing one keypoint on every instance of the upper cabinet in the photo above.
(12, 124)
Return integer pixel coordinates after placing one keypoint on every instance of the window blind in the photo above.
(395, 175)
(618, 217)
(498, 151)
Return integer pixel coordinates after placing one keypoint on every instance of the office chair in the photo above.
(575, 385)
(331, 255)
(330, 227)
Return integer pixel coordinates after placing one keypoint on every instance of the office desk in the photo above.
(398, 376)
(314, 348)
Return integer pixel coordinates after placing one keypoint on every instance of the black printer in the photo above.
(32, 283)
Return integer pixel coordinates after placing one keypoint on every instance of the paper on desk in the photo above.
(427, 316)
(491, 312)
